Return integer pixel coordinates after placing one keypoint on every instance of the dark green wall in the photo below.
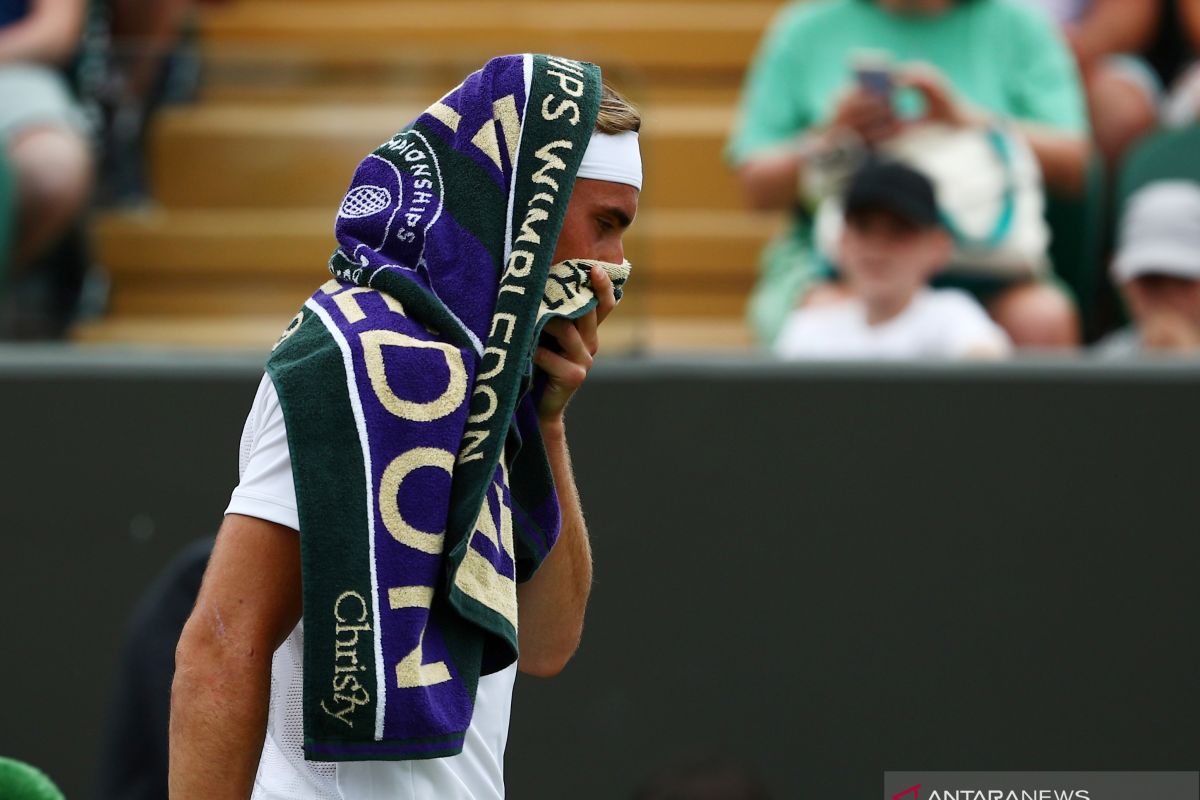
(828, 572)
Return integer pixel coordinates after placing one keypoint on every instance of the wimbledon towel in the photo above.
(423, 487)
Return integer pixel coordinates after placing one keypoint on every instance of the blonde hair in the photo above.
(617, 115)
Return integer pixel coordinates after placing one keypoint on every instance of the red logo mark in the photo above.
(914, 791)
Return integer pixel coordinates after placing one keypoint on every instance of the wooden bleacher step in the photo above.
(247, 181)
(649, 36)
(243, 261)
(241, 155)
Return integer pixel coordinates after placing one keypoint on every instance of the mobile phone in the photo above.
(873, 71)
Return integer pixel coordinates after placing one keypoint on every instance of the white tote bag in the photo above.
(989, 189)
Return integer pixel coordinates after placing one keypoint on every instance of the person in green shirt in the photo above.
(963, 62)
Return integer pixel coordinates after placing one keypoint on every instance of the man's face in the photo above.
(597, 217)
(885, 257)
(1160, 302)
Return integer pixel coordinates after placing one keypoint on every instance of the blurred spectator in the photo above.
(19, 781)
(981, 58)
(134, 764)
(1157, 267)
(1168, 53)
(141, 66)
(1124, 93)
(42, 130)
(1183, 106)
(145, 33)
(891, 245)
(704, 779)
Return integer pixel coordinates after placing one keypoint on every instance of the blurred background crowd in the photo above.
(826, 178)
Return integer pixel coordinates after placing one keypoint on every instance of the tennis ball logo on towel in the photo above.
(393, 201)
(365, 201)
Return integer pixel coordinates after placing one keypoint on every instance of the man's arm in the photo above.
(551, 605)
(248, 604)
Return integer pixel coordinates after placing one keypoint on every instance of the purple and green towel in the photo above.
(423, 486)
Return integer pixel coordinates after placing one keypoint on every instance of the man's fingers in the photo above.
(602, 287)
(562, 371)
(578, 341)
(570, 341)
(586, 325)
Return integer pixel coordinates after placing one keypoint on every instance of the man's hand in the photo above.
(578, 341)
(553, 602)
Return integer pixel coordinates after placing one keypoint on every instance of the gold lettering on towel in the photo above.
(444, 113)
(350, 307)
(477, 576)
(342, 598)
(505, 110)
(528, 234)
(520, 262)
(410, 672)
(493, 401)
(473, 440)
(485, 139)
(552, 163)
(486, 374)
(350, 615)
(548, 178)
(563, 107)
(510, 323)
(568, 83)
(446, 404)
(389, 503)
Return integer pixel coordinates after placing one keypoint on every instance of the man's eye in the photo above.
(604, 224)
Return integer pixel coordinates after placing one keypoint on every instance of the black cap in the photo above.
(893, 187)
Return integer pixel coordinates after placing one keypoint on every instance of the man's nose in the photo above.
(613, 252)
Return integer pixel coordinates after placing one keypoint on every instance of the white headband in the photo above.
(613, 157)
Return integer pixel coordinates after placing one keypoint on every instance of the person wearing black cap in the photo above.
(892, 243)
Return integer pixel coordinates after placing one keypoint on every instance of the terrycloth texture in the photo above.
(423, 486)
